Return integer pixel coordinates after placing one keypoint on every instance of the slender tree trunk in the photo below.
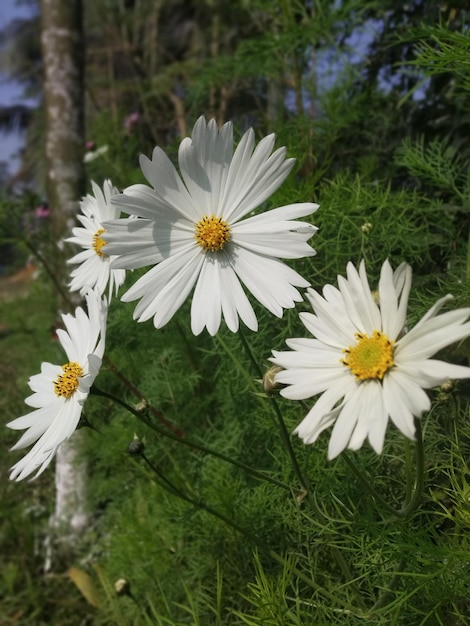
(62, 54)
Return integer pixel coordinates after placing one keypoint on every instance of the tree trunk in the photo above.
(62, 53)
(62, 50)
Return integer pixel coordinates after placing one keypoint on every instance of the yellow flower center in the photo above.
(67, 383)
(212, 233)
(99, 242)
(371, 357)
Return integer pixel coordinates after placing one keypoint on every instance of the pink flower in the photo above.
(130, 120)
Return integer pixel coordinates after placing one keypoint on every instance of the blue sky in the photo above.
(10, 92)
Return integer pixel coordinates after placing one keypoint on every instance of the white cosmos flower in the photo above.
(61, 390)
(193, 228)
(367, 368)
(94, 264)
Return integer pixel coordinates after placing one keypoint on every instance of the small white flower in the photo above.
(363, 363)
(94, 154)
(94, 264)
(60, 391)
(192, 227)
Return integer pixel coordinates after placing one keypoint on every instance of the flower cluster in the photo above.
(198, 230)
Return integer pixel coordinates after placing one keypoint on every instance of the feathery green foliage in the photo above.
(195, 501)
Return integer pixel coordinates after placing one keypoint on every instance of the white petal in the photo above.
(388, 302)
(270, 281)
(283, 214)
(395, 403)
(281, 239)
(372, 417)
(322, 415)
(206, 308)
(346, 422)
(164, 288)
(359, 302)
(251, 180)
(430, 372)
(402, 279)
(218, 289)
(308, 382)
(332, 323)
(426, 339)
(169, 190)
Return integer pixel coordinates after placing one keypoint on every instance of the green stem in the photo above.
(303, 480)
(160, 417)
(191, 444)
(468, 259)
(383, 597)
(409, 473)
(411, 501)
(282, 426)
(365, 483)
(173, 489)
(197, 502)
(419, 481)
(238, 363)
(200, 504)
(60, 290)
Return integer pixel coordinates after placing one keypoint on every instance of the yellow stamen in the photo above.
(99, 242)
(67, 383)
(212, 233)
(371, 357)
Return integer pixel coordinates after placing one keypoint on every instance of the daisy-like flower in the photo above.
(61, 390)
(367, 368)
(94, 263)
(193, 228)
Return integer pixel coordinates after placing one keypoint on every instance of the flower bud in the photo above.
(136, 447)
(269, 383)
(447, 387)
(122, 587)
(141, 406)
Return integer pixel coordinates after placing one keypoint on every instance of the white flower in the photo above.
(367, 368)
(94, 270)
(94, 154)
(192, 227)
(61, 390)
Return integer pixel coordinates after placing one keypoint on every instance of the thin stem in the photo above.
(419, 481)
(303, 480)
(282, 426)
(173, 489)
(409, 472)
(197, 502)
(410, 502)
(383, 597)
(191, 444)
(365, 483)
(160, 417)
(251, 356)
(237, 362)
(65, 297)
